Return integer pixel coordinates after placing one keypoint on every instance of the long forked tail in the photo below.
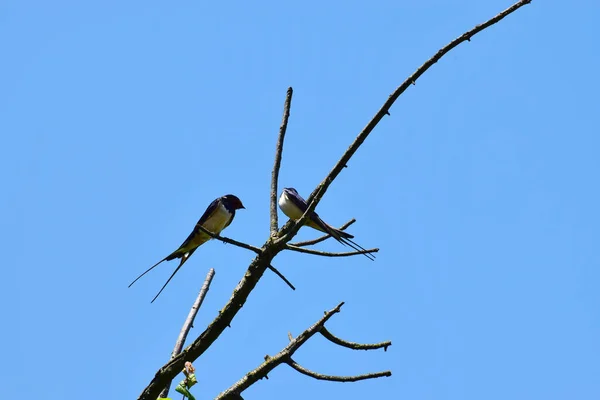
(356, 247)
(146, 271)
(183, 260)
(345, 239)
(184, 257)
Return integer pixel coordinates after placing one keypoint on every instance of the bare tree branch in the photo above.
(281, 357)
(327, 253)
(285, 357)
(240, 294)
(322, 238)
(189, 323)
(279, 274)
(336, 378)
(277, 164)
(352, 345)
(291, 227)
(228, 240)
(272, 246)
(249, 247)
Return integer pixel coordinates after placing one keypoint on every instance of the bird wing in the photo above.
(298, 201)
(210, 210)
(317, 223)
(314, 221)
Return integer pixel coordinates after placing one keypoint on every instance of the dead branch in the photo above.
(336, 378)
(285, 357)
(189, 323)
(228, 240)
(248, 282)
(272, 362)
(277, 163)
(279, 274)
(327, 253)
(352, 345)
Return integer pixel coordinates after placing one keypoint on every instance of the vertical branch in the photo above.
(277, 164)
(189, 323)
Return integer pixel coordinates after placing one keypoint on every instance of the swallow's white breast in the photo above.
(218, 220)
(289, 208)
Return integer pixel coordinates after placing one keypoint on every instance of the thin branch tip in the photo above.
(279, 274)
(331, 254)
(226, 240)
(189, 324)
(352, 345)
(277, 163)
(336, 378)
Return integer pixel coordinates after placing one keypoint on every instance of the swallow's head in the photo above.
(289, 191)
(233, 201)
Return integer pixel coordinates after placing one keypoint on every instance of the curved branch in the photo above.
(352, 345)
(336, 378)
(291, 227)
(272, 362)
(277, 164)
(230, 241)
(322, 238)
(327, 253)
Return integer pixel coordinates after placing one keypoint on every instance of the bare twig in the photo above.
(272, 247)
(336, 378)
(285, 357)
(279, 274)
(327, 253)
(277, 164)
(230, 241)
(189, 323)
(281, 357)
(249, 247)
(292, 227)
(322, 238)
(352, 345)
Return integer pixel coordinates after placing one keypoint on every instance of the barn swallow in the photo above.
(294, 206)
(217, 217)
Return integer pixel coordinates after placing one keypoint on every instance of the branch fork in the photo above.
(285, 357)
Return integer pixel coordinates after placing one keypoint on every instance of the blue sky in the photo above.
(121, 121)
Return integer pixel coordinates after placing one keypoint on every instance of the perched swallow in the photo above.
(294, 206)
(217, 217)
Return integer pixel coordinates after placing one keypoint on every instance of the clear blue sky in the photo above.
(121, 121)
